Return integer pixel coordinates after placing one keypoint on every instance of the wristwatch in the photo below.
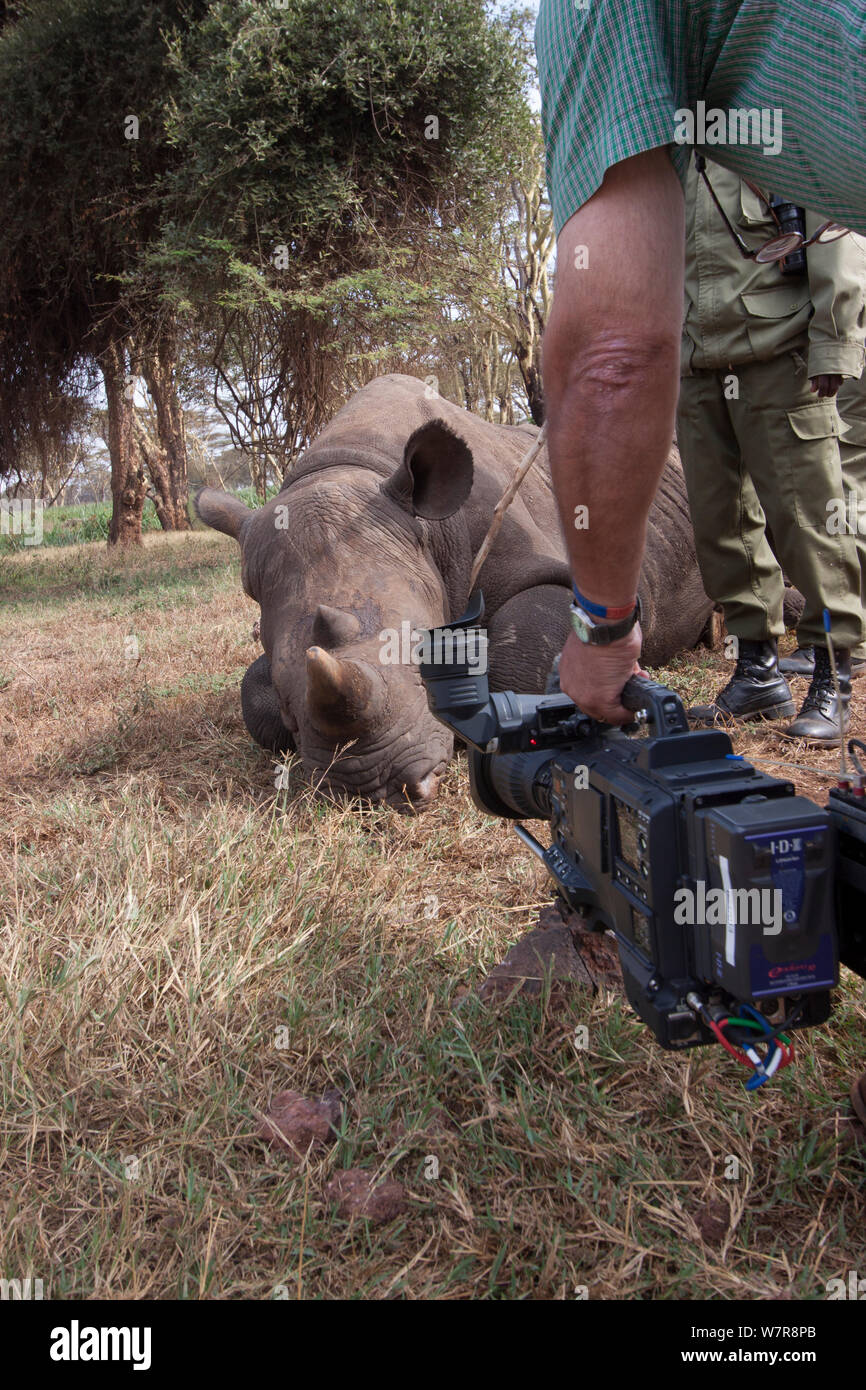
(601, 634)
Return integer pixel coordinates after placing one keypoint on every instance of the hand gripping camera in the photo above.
(725, 890)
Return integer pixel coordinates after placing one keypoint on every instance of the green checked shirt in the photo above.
(773, 89)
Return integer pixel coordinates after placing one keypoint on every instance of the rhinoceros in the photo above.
(377, 527)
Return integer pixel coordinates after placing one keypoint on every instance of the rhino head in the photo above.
(340, 562)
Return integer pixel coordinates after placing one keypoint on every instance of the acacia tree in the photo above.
(83, 146)
(331, 158)
(166, 453)
(48, 465)
(285, 184)
(527, 305)
(502, 311)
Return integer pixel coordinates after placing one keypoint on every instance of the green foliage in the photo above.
(78, 193)
(310, 126)
(310, 215)
(79, 197)
(362, 136)
(251, 498)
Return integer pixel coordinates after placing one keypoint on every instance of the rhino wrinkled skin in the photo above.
(377, 526)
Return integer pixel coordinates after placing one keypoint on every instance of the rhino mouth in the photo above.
(418, 794)
(410, 791)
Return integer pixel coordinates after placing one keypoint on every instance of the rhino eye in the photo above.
(247, 581)
(333, 627)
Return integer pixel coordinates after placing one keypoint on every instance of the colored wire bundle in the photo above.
(734, 1033)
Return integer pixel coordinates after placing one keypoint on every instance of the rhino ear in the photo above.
(221, 511)
(435, 477)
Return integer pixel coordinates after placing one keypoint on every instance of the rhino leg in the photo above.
(261, 709)
(525, 636)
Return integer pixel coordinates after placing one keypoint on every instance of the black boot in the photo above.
(799, 663)
(756, 690)
(802, 663)
(818, 720)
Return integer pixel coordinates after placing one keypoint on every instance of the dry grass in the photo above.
(166, 912)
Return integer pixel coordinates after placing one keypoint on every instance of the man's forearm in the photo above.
(611, 369)
(610, 424)
(611, 372)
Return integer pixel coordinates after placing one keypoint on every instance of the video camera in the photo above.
(732, 899)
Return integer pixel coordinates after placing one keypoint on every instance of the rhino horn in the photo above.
(341, 695)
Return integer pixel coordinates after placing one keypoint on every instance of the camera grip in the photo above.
(634, 693)
(664, 708)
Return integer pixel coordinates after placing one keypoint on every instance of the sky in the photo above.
(499, 7)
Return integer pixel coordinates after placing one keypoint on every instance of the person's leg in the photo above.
(738, 569)
(789, 440)
(852, 448)
(853, 454)
(737, 566)
(851, 404)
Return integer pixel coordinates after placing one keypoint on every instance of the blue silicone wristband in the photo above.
(597, 610)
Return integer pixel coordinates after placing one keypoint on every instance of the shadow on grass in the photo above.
(188, 737)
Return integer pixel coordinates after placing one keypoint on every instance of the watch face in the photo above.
(581, 626)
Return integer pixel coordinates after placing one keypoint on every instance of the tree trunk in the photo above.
(156, 462)
(168, 465)
(532, 381)
(128, 483)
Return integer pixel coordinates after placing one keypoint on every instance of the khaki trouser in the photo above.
(772, 453)
(851, 403)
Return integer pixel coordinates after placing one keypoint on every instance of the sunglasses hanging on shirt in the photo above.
(789, 245)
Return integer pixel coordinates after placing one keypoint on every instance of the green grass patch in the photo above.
(77, 524)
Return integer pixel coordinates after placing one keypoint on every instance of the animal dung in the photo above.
(356, 1194)
(713, 1220)
(562, 951)
(297, 1125)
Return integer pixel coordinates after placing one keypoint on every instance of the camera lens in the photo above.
(514, 786)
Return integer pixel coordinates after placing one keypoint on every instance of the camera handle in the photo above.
(656, 705)
(653, 703)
